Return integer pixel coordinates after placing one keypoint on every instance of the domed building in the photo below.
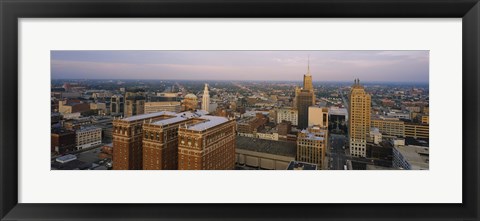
(190, 102)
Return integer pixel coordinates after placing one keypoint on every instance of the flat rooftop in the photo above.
(147, 116)
(282, 148)
(89, 128)
(297, 165)
(209, 122)
(417, 156)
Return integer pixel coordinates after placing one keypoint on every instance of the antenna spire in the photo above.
(308, 67)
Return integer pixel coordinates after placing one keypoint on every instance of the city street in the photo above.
(336, 153)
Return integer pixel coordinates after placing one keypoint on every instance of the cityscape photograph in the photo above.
(239, 110)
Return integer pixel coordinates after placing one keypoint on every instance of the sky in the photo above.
(368, 66)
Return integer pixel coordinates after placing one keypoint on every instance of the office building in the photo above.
(207, 143)
(134, 104)
(264, 154)
(160, 141)
(88, 137)
(117, 104)
(172, 106)
(288, 114)
(304, 98)
(318, 116)
(417, 130)
(311, 145)
(389, 126)
(128, 140)
(410, 157)
(62, 141)
(359, 119)
(251, 125)
(72, 106)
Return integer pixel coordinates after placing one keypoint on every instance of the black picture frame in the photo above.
(12, 10)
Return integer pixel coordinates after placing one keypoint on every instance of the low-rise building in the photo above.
(88, 137)
(264, 154)
(411, 157)
(288, 114)
(62, 141)
(172, 106)
(389, 126)
(417, 130)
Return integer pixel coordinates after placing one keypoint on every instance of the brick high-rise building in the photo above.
(207, 143)
(128, 140)
(358, 119)
(160, 141)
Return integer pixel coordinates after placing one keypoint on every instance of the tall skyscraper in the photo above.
(160, 141)
(128, 140)
(206, 99)
(358, 119)
(304, 98)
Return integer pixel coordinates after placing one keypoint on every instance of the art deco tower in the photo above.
(358, 119)
(206, 99)
(307, 79)
(304, 98)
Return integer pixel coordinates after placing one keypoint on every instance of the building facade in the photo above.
(359, 120)
(288, 114)
(160, 142)
(128, 140)
(134, 104)
(264, 154)
(410, 157)
(88, 137)
(389, 126)
(172, 106)
(62, 141)
(117, 104)
(318, 116)
(206, 99)
(417, 130)
(207, 143)
(304, 98)
(311, 145)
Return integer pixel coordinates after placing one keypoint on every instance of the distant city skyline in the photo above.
(340, 66)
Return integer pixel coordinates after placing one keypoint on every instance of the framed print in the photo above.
(320, 110)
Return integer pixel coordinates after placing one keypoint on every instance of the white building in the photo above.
(206, 99)
(88, 137)
(287, 114)
(375, 135)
